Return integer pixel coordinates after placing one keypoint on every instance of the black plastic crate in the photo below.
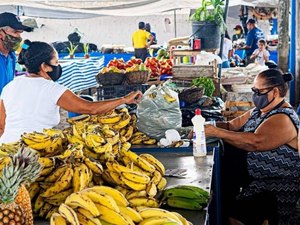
(116, 91)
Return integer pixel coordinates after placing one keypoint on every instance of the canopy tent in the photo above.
(68, 10)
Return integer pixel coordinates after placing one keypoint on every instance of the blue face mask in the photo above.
(261, 100)
(56, 72)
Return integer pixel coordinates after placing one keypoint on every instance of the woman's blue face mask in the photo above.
(260, 99)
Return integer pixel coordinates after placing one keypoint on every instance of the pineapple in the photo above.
(24, 167)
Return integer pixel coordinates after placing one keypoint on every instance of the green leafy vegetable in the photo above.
(206, 83)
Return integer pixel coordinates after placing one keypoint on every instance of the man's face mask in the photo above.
(10, 42)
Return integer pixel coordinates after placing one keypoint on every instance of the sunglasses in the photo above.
(260, 91)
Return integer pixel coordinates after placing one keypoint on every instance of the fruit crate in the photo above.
(116, 91)
(233, 109)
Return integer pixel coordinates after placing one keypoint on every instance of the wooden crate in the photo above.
(233, 109)
(190, 72)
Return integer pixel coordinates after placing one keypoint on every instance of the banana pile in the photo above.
(104, 205)
(138, 177)
(61, 176)
(186, 197)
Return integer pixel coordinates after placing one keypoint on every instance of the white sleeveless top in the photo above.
(30, 105)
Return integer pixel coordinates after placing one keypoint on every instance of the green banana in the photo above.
(186, 191)
(184, 203)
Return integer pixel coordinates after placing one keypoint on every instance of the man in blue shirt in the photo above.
(10, 39)
(254, 34)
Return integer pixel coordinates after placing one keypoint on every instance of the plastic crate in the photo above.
(116, 91)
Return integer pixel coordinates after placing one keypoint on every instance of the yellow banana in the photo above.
(66, 154)
(56, 174)
(133, 214)
(57, 219)
(34, 189)
(38, 204)
(90, 154)
(129, 133)
(4, 161)
(113, 118)
(116, 177)
(162, 184)
(46, 171)
(145, 165)
(136, 194)
(47, 162)
(55, 146)
(45, 185)
(107, 132)
(75, 140)
(80, 200)
(44, 210)
(81, 118)
(54, 132)
(127, 218)
(84, 212)
(104, 148)
(116, 148)
(151, 141)
(157, 220)
(102, 199)
(156, 212)
(113, 140)
(125, 147)
(151, 189)
(93, 140)
(123, 131)
(123, 190)
(40, 145)
(117, 196)
(155, 162)
(156, 177)
(142, 201)
(133, 185)
(59, 198)
(62, 183)
(136, 176)
(83, 220)
(181, 218)
(69, 214)
(138, 133)
(53, 210)
(94, 166)
(79, 179)
(110, 216)
(122, 123)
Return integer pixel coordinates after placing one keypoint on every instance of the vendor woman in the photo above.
(260, 171)
(31, 103)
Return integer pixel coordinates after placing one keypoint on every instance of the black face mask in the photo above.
(261, 100)
(56, 72)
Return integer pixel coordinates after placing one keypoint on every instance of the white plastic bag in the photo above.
(159, 111)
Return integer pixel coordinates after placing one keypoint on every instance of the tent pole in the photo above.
(222, 42)
(175, 23)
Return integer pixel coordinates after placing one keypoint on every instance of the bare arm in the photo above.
(73, 103)
(151, 39)
(2, 118)
(266, 57)
(273, 132)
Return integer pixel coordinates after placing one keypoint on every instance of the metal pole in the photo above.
(175, 25)
(222, 41)
(292, 58)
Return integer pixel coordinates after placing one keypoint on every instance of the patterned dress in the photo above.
(277, 170)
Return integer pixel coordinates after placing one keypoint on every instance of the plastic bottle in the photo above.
(199, 142)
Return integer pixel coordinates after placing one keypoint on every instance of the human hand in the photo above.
(133, 97)
(210, 130)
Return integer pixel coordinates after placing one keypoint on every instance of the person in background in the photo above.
(140, 43)
(254, 34)
(148, 29)
(239, 33)
(31, 103)
(10, 39)
(260, 170)
(227, 51)
(261, 55)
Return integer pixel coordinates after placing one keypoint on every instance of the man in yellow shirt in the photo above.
(139, 41)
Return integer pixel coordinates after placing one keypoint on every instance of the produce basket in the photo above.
(191, 95)
(137, 77)
(107, 79)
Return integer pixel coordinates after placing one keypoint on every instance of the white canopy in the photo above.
(69, 10)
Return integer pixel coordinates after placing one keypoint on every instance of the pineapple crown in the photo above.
(24, 167)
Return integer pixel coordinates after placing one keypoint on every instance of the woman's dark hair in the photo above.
(275, 78)
(35, 53)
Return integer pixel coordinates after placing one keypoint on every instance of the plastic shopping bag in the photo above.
(158, 111)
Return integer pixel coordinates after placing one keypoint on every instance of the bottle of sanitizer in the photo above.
(199, 142)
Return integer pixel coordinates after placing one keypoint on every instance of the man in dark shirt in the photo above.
(254, 34)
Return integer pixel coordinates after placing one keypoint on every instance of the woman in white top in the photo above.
(227, 51)
(31, 103)
(261, 55)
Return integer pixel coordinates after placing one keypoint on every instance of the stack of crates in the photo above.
(117, 91)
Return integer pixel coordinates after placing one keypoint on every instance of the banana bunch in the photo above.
(138, 177)
(46, 144)
(95, 206)
(62, 175)
(162, 217)
(186, 197)
(9, 148)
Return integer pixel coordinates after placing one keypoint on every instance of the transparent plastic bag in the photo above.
(159, 111)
